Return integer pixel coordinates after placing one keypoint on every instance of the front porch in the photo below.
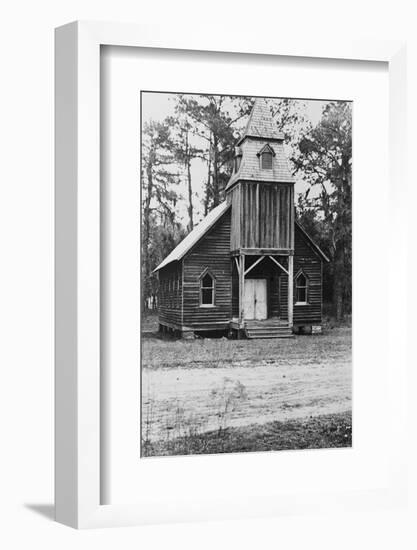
(262, 289)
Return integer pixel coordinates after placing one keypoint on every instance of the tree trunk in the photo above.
(190, 190)
(208, 184)
(339, 281)
(146, 236)
(216, 197)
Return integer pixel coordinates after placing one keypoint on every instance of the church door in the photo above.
(255, 301)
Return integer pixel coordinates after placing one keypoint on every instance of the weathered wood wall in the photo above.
(262, 216)
(170, 294)
(235, 227)
(305, 258)
(235, 291)
(179, 291)
(211, 251)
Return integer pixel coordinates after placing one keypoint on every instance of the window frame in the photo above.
(297, 286)
(266, 149)
(208, 272)
(263, 154)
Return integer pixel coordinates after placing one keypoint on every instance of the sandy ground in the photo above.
(273, 391)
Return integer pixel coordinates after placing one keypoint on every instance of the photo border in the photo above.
(202, 94)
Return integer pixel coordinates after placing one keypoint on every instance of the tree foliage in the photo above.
(216, 125)
(159, 197)
(324, 160)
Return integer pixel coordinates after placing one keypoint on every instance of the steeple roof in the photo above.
(260, 123)
(261, 131)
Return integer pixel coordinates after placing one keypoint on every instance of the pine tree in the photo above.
(325, 162)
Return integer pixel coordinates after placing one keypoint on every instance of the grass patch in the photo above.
(149, 322)
(320, 432)
(330, 346)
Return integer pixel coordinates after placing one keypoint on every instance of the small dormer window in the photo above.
(266, 155)
(266, 160)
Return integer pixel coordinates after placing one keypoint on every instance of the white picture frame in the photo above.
(77, 242)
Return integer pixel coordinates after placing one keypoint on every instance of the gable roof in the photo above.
(192, 238)
(260, 123)
(313, 245)
(266, 148)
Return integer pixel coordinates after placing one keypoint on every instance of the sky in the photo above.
(157, 106)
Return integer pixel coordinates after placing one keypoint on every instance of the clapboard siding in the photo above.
(170, 294)
(179, 288)
(211, 252)
(179, 282)
(307, 259)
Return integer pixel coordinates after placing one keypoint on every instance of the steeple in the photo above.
(260, 136)
(260, 123)
(261, 189)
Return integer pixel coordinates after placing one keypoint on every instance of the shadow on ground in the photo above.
(45, 510)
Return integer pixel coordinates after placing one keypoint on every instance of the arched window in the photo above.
(207, 289)
(301, 289)
(266, 160)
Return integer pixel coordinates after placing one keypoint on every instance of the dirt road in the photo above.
(273, 390)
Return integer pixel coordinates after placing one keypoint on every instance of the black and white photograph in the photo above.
(246, 283)
(208, 275)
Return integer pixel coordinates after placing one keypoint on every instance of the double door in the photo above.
(255, 299)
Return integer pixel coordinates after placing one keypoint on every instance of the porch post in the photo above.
(241, 287)
(290, 289)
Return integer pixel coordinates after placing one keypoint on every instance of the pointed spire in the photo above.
(260, 123)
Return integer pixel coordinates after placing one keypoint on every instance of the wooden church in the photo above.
(248, 268)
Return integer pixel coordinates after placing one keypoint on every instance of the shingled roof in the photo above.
(260, 123)
(261, 129)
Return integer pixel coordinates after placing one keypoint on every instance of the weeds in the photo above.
(321, 432)
(184, 434)
(226, 399)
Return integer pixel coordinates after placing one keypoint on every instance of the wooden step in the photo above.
(270, 335)
(267, 322)
(269, 329)
(266, 327)
(264, 332)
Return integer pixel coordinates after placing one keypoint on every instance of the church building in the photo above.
(248, 268)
